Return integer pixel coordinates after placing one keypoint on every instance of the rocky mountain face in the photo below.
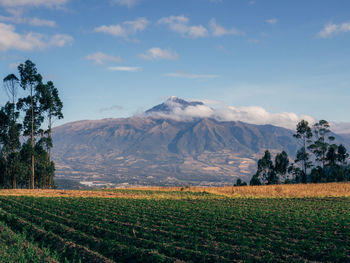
(148, 150)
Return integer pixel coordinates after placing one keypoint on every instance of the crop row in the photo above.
(200, 230)
(15, 247)
(102, 239)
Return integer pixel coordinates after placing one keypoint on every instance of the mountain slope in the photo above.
(156, 149)
(163, 151)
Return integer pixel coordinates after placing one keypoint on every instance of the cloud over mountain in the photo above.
(177, 110)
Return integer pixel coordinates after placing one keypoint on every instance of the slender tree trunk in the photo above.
(305, 160)
(14, 182)
(32, 139)
(7, 179)
(323, 160)
(50, 138)
(49, 150)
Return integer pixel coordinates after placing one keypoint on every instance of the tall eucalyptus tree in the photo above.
(30, 80)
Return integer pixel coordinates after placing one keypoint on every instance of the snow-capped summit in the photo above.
(171, 104)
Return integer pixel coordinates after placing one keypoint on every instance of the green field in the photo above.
(198, 227)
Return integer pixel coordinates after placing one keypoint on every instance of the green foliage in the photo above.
(20, 162)
(30, 80)
(304, 135)
(281, 164)
(331, 155)
(327, 161)
(45, 168)
(303, 157)
(266, 171)
(239, 182)
(269, 172)
(342, 155)
(9, 145)
(322, 141)
(316, 175)
(15, 247)
(255, 180)
(50, 100)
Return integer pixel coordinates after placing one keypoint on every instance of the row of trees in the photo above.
(25, 146)
(318, 159)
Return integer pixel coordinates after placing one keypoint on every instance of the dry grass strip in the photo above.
(272, 191)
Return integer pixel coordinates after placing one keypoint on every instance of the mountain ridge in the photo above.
(148, 150)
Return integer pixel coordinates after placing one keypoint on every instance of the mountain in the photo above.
(155, 150)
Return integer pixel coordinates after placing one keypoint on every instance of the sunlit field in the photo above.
(283, 223)
(266, 191)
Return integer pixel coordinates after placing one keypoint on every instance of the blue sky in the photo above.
(115, 58)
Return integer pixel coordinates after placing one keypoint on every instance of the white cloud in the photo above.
(271, 21)
(101, 58)
(197, 31)
(218, 30)
(180, 24)
(340, 127)
(10, 39)
(34, 3)
(187, 75)
(115, 30)
(128, 3)
(125, 29)
(253, 114)
(41, 22)
(60, 40)
(210, 102)
(332, 29)
(125, 68)
(157, 53)
(18, 19)
(259, 115)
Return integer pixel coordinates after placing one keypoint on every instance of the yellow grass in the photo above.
(287, 190)
(63, 193)
(269, 191)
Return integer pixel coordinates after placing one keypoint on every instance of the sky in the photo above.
(118, 58)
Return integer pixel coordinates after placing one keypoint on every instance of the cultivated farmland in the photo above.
(173, 226)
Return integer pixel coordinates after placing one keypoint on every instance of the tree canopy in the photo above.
(25, 142)
(318, 159)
